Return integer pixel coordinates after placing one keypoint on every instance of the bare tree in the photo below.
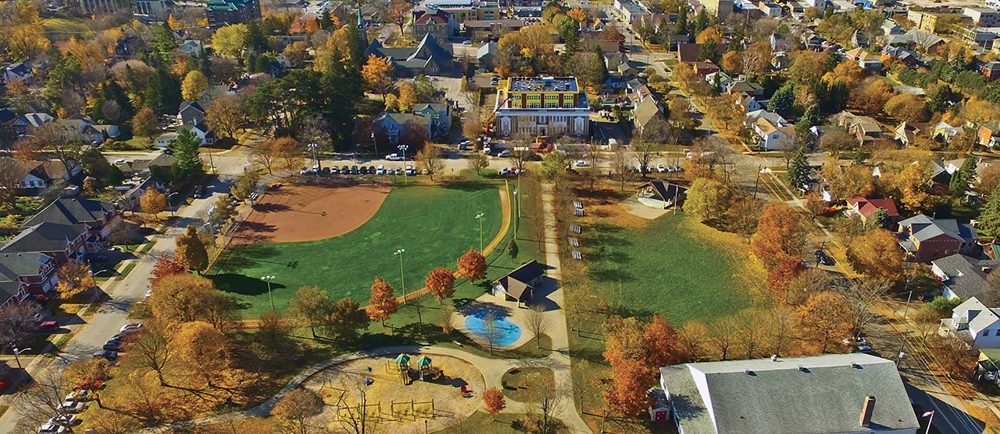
(722, 334)
(357, 419)
(153, 350)
(478, 161)
(491, 331)
(42, 400)
(11, 176)
(430, 157)
(645, 151)
(862, 298)
(17, 320)
(620, 166)
(548, 408)
(537, 323)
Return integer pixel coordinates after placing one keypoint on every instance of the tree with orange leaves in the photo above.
(779, 277)
(441, 283)
(661, 343)
(627, 392)
(876, 254)
(825, 318)
(382, 302)
(780, 233)
(472, 266)
(377, 74)
(398, 12)
(74, 279)
(167, 265)
(494, 400)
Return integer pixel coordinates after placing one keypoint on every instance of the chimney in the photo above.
(867, 410)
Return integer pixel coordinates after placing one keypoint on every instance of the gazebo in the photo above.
(403, 360)
(423, 362)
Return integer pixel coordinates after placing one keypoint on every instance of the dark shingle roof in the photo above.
(43, 237)
(71, 211)
(965, 275)
(518, 281)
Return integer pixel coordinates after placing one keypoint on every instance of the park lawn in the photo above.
(64, 28)
(434, 225)
(482, 422)
(529, 385)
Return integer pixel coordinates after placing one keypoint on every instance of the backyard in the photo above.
(434, 225)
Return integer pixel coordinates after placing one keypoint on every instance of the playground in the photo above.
(402, 393)
(429, 226)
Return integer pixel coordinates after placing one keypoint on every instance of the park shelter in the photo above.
(661, 194)
(519, 285)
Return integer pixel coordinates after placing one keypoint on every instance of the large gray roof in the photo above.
(925, 228)
(13, 265)
(72, 211)
(44, 237)
(820, 394)
(965, 273)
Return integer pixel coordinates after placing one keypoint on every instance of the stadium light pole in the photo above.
(480, 217)
(268, 279)
(402, 149)
(402, 283)
(312, 147)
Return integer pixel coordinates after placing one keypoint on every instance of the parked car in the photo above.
(326, 170)
(371, 170)
(72, 406)
(131, 327)
(51, 428)
(394, 157)
(505, 171)
(354, 170)
(363, 170)
(504, 153)
(344, 170)
(111, 356)
(410, 171)
(398, 171)
(581, 163)
(65, 420)
(661, 168)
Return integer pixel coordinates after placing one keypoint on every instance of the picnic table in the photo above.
(573, 241)
(578, 212)
(577, 255)
(576, 229)
(577, 204)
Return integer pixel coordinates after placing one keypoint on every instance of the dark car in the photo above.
(344, 170)
(823, 258)
(363, 170)
(111, 356)
(354, 170)
(334, 171)
(326, 170)
(112, 346)
(371, 170)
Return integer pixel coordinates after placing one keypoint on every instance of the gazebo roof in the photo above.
(403, 359)
(423, 361)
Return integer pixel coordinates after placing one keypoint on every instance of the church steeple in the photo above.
(361, 17)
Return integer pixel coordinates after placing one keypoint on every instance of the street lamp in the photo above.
(374, 144)
(268, 279)
(402, 150)
(402, 283)
(312, 147)
(169, 196)
(480, 217)
(17, 353)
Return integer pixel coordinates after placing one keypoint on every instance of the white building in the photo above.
(542, 106)
(773, 131)
(975, 322)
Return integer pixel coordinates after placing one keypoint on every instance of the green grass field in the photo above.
(435, 225)
(674, 267)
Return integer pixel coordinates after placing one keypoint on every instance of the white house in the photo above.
(748, 102)
(973, 321)
(719, 78)
(191, 47)
(772, 131)
(16, 72)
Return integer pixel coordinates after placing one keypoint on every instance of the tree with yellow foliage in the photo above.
(74, 279)
(229, 40)
(195, 83)
(732, 62)
(377, 74)
(407, 97)
(202, 350)
(847, 72)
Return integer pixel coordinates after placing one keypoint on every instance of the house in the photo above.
(772, 130)
(439, 115)
(834, 393)
(99, 217)
(661, 194)
(745, 87)
(429, 57)
(27, 273)
(902, 55)
(637, 91)
(190, 112)
(915, 38)
(398, 127)
(436, 22)
(925, 21)
(866, 208)
(490, 30)
(990, 70)
(703, 69)
(718, 79)
(645, 114)
(486, 56)
(864, 128)
(16, 72)
(859, 39)
(812, 40)
(542, 106)
(28, 123)
(62, 242)
(769, 9)
(925, 239)
(867, 61)
(84, 128)
(778, 42)
(907, 132)
(519, 285)
(889, 27)
(945, 132)
(39, 175)
(164, 140)
(962, 276)
(687, 53)
(464, 10)
(205, 135)
(988, 134)
(973, 321)
(191, 47)
(748, 103)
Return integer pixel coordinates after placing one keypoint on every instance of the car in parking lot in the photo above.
(65, 420)
(398, 171)
(326, 170)
(354, 170)
(581, 163)
(380, 170)
(394, 157)
(72, 406)
(51, 428)
(363, 170)
(111, 356)
(371, 170)
(504, 172)
(410, 171)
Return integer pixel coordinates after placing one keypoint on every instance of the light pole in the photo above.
(312, 147)
(517, 203)
(480, 217)
(402, 150)
(402, 283)
(169, 196)
(374, 144)
(17, 354)
(268, 279)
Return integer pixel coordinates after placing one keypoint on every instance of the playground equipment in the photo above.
(412, 409)
(403, 367)
(426, 371)
(332, 395)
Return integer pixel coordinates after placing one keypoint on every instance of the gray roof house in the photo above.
(974, 321)
(21, 273)
(835, 393)
(644, 113)
(47, 238)
(926, 239)
(190, 112)
(487, 54)
(429, 57)
(29, 122)
(439, 115)
(519, 285)
(962, 276)
(96, 215)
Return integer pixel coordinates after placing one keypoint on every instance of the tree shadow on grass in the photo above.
(238, 258)
(271, 207)
(468, 185)
(243, 285)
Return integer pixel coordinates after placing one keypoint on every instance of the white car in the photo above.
(131, 327)
(65, 420)
(504, 153)
(394, 157)
(72, 406)
(582, 163)
(661, 168)
(380, 170)
(51, 428)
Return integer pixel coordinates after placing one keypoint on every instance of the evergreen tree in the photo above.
(798, 169)
(783, 101)
(682, 21)
(700, 21)
(205, 63)
(188, 165)
(989, 216)
(600, 68)
(256, 41)
(835, 99)
(963, 177)
(325, 20)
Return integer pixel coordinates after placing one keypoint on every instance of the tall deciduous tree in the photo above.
(74, 279)
(398, 12)
(144, 123)
(441, 283)
(297, 408)
(152, 202)
(825, 318)
(780, 233)
(345, 320)
(195, 83)
(472, 265)
(382, 303)
(707, 198)
(311, 306)
(377, 74)
(226, 114)
(180, 298)
(190, 250)
(430, 158)
(876, 254)
(202, 351)
(626, 394)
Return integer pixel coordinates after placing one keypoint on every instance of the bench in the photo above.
(577, 255)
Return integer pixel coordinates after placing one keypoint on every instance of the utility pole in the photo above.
(402, 283)
(757, 181)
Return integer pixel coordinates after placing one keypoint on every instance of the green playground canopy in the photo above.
(423, 362)
(403, 359)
